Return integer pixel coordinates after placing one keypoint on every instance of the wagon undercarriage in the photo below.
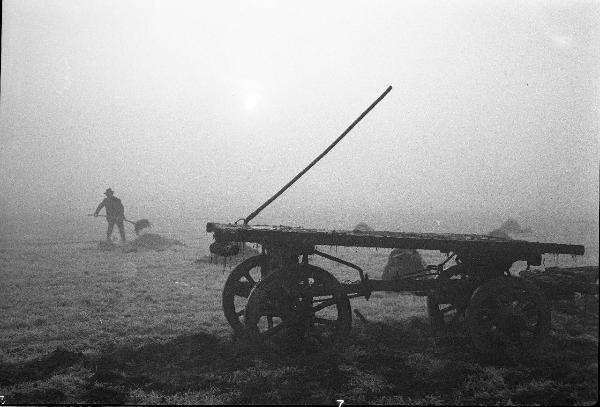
(279, 292)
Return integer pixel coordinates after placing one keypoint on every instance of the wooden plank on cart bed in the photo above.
(444, 242)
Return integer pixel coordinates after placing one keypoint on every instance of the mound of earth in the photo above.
(402, 262)
(150, 241)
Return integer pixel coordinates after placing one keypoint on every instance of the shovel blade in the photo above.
(141, 224)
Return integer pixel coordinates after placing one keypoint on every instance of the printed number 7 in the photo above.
(340, 402)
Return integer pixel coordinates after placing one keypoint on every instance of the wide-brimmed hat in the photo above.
(108, 190)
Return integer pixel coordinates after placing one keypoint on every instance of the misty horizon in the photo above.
(200, 111)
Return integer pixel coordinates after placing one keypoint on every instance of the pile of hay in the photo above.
(151, 241)
(512, 226)
(402, 262)
(509, 228)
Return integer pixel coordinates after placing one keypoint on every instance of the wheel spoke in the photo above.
(321, 299)
(324, 304)
(249, 277)
(448, 309)
(273, 330)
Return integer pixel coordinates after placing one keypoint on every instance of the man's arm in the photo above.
(100, 207)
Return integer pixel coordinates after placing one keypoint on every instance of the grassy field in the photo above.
(82, 325)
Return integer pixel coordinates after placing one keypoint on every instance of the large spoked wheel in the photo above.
(508, 316)
(296, 302)
(448, 303)
(237, 289)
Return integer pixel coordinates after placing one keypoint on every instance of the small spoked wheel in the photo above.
(448, 303)
(237, 289)
(300, 301)
(508, 316)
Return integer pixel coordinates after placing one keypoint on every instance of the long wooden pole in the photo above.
(282, 190)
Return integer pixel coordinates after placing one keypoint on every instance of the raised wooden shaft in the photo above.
(282, 190)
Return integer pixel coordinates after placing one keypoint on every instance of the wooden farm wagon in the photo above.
(279, 292)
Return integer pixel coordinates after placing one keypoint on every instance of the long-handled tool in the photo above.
(137, 226)
(309, 166)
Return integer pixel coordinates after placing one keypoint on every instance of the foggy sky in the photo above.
(201, 110)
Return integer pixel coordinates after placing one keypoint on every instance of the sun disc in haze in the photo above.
(251, 102)
(251, 95)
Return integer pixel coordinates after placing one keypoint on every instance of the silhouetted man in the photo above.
(115, 213)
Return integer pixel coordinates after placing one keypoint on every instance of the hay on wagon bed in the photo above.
(362, 227)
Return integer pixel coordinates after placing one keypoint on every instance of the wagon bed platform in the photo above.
(444, 242)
